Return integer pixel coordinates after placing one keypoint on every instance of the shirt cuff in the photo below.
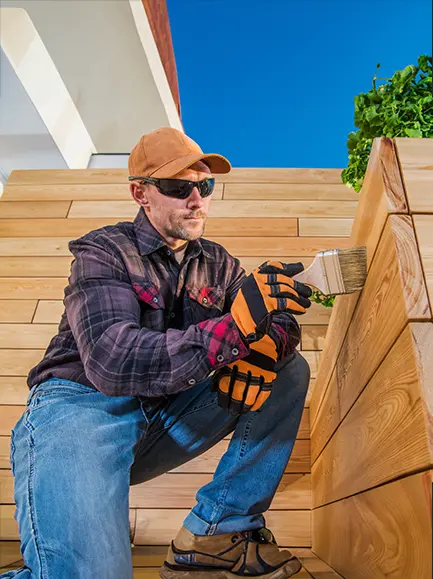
(224, 342)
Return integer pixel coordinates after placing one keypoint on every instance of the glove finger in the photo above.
(286, 269)
(261, 399)
(297, 286)
(300, 300)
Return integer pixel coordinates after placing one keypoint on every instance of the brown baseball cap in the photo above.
(165, 152)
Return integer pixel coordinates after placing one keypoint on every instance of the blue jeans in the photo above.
(75, 452)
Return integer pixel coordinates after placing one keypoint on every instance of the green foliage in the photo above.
(400, 107)
(319, 298)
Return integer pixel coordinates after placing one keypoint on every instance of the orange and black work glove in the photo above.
(269, 289)
(244, 385)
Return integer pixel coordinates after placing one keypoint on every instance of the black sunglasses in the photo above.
(179, 188)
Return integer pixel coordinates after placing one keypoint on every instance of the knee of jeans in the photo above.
(297, 372)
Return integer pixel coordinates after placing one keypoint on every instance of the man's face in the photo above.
(176, 219)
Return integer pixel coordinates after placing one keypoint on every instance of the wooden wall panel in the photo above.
(382, 194)
(382, 533)
(386, 434)
(257, 214)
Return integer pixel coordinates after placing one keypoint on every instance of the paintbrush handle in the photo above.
(313, 276)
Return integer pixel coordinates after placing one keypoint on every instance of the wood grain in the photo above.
(289, 191)
(10, 210)
(17, 311)
(76, 192)
(76, 227)
(385, 532)
(19, 362)
(424, 232)
(324, 227)
(328, 419)
(386, 433)
(26, 335)
(394, 294)
(13, 390)
(225, 208)
(313, 337)
(159, 526)
(382, 195)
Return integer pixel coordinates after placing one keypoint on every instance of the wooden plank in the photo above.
(76, 227)
(68, 176)
(415, 154)
(43, 266)
(309, 393)
(394, 294)
(316, 567)
(160, 526)
(419, 190)
(385, 532)
(280, 175)
(327, 421)
(237, 246)
(386, 434)
(10, 210)
(149, 573)
(325, 227)
(34, 246)
(10, 554)
(313, 358)
(313, 337)
(76, 192)
(19, 362)
(206, 463)
(13, 390)
(5, 442)
(253, 208)
(382, 194)
(174, 491)
(424, 229)
(9, 416)
(49, 311)
(26, 335)
(48, 288)
(17, 311)
(289, 191)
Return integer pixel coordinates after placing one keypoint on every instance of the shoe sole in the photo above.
(289, 570)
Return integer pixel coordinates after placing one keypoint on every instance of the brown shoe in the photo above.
(228, 556)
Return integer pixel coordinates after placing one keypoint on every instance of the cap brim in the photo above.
(216, 163)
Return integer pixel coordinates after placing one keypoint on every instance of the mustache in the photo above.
(190, 216)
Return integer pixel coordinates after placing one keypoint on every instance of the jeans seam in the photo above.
(182, 416)
(30, 495)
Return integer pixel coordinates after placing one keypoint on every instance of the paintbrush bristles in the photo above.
(353, 264)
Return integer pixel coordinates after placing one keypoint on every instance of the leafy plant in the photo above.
(400, 107)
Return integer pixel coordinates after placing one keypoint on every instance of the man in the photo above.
(165, 347)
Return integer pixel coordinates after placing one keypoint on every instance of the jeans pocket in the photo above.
(54, 390)
(12, 453)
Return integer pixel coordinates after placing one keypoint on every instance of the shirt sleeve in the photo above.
(123, 359)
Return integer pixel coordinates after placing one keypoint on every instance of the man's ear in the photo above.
(139, 193)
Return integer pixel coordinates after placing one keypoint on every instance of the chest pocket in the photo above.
(206, 302)
(151, 305)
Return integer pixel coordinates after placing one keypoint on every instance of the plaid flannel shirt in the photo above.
(136, 322)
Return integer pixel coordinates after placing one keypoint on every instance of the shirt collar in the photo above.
(149, 239)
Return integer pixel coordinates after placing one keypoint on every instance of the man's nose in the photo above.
(195, 198)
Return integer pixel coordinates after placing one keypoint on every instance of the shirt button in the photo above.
(155, 300)
(235, 351)
(205, 300)
(168, 252)
(192, 381)
(220, 358)
(172, 315)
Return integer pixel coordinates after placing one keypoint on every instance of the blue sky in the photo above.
(271, 83)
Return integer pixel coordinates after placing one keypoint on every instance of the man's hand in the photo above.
(269, 289)
(244, 385)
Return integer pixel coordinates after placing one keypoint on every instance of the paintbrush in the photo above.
(337, 271)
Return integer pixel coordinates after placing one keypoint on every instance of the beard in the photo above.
(176, 228)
